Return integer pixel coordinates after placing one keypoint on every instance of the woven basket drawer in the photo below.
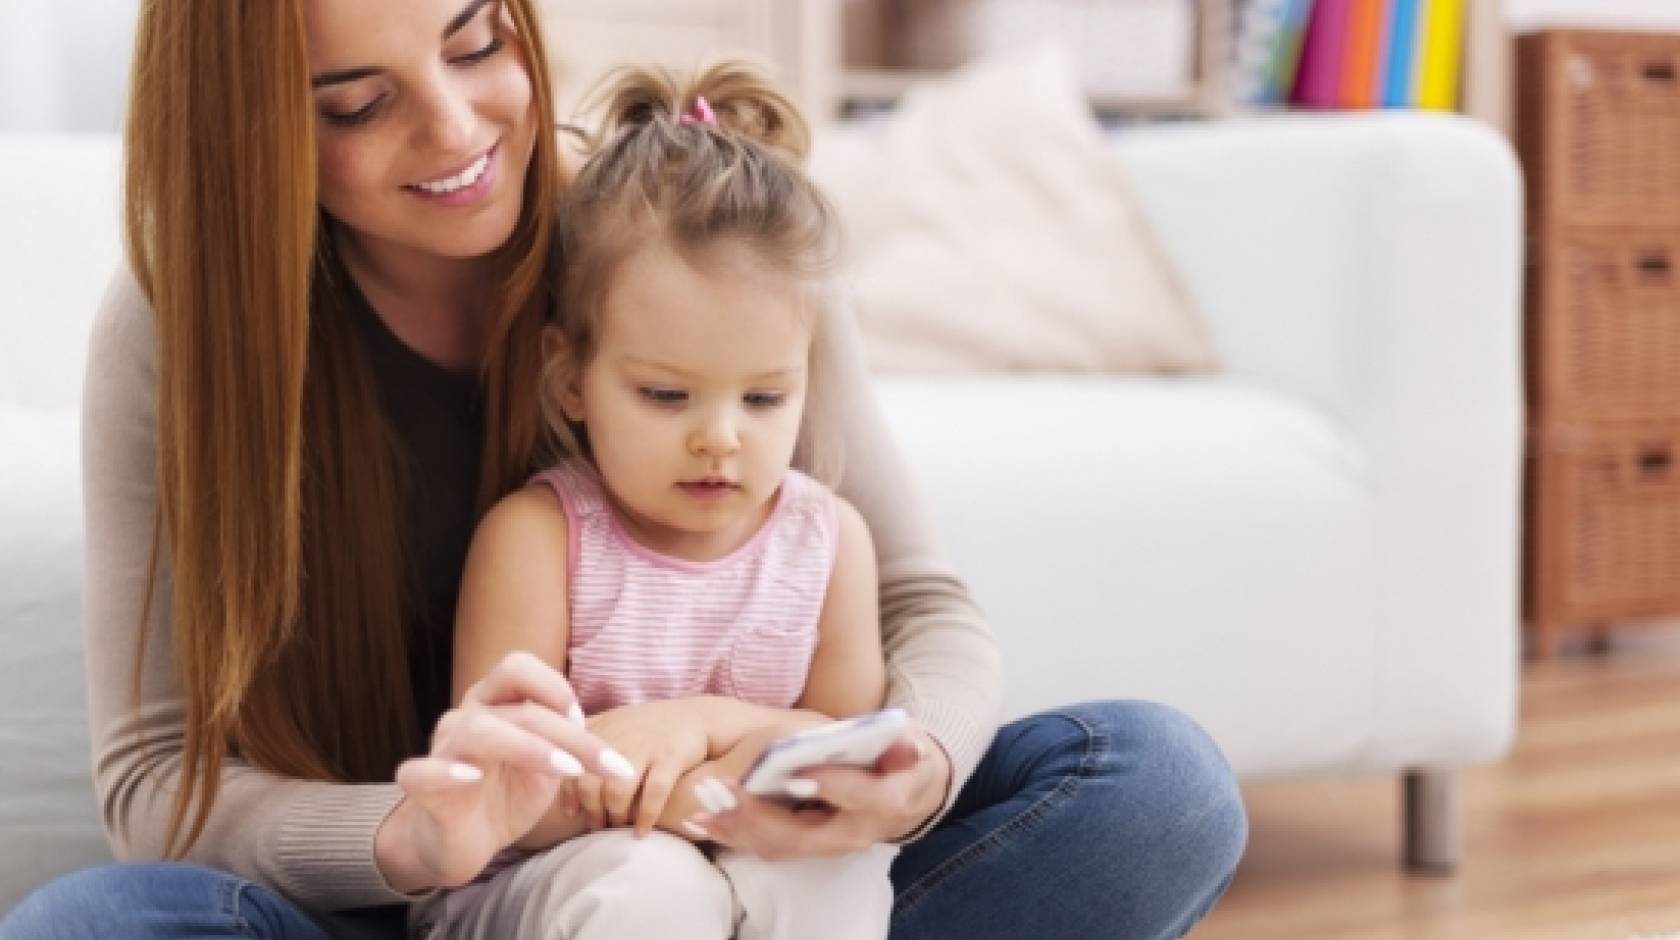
(1599, 126)
(1604, 323)
(1604, 499)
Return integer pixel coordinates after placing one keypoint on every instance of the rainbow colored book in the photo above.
(1359, 64)
(1401, 79)
(1319, 82)
(1443, 44)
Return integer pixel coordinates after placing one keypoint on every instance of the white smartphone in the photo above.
(856, 741)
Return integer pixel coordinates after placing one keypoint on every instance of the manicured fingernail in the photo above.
(694, 830)
(565, 763)
(800, 788)
(617, 764)
(466, 773)
(725, 799)
(576, 714)
(707, 799)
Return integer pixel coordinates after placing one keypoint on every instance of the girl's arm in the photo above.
(514, 596)
(848, 674)
(514, 591)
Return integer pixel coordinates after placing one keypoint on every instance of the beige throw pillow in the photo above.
(990, 228)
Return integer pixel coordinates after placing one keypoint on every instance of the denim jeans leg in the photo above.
(1108, 819)
(156, 901)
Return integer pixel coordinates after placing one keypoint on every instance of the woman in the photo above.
(299, 402)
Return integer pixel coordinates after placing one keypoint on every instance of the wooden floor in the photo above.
(1575, 836)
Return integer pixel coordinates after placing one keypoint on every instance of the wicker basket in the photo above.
(1604, 323)
(1599, 126)
(1603, 503)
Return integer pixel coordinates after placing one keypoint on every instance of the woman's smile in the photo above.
(461, 186)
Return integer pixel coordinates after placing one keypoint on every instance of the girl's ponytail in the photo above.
(732, 95)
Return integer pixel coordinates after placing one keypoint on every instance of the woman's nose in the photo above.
(449, 120)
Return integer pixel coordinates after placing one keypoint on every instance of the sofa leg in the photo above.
(1433, 833)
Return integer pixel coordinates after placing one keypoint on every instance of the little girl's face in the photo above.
(694, 398)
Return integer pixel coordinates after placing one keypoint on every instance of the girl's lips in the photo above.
(466, 195)
(709, 489)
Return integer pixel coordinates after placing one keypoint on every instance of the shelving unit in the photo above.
(811, 44)
(1597, 130)
(870, 77)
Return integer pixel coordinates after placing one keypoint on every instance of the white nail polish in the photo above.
(800, 789)
(576, 714)
(565, 763)
(695, 831)
(617, 764)
(703, 793)
(466, 773)
(726, 799)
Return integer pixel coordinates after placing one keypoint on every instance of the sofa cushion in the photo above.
(991, 228)
(1201, 542)
(47, 809)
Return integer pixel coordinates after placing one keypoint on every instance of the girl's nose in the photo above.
(715, 437)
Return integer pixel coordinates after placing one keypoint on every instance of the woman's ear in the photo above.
(567, 373)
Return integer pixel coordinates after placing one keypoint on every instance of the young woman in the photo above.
(305, 389)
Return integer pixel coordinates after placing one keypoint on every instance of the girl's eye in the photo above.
(473, 58)
(663, 396)
(764, 399)
(360, 116)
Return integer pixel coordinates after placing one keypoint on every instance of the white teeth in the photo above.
(462, 180)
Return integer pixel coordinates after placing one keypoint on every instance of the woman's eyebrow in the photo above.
(339, 76)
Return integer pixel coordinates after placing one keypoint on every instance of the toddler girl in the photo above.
(673, 555)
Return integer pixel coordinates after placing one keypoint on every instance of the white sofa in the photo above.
(1314, 553)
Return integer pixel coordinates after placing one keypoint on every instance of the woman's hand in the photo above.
(663, 740)
(496, 762)
(851, 808)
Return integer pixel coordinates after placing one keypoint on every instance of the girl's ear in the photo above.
(568, 374)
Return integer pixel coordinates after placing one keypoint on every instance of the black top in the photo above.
(438, 421)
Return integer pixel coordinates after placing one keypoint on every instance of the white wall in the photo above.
(1526, 15)
(64, 63)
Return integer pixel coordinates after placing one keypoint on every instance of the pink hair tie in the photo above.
(699, 113)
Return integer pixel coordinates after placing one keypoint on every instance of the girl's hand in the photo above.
(850, 808)
(662, 740)
(686, 800)
(495, 763)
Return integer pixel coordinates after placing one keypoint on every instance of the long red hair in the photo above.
(278, 520)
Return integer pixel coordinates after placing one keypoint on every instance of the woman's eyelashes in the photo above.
(368, 111)
(359, 116)
(473, 58)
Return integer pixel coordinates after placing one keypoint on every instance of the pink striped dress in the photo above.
(647, 626)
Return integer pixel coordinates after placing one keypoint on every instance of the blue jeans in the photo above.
(1103, 820)
(1115, 819)
(156, 900)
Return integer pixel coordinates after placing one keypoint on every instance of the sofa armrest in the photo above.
(1372, 265)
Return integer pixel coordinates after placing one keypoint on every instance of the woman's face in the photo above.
(425, 125)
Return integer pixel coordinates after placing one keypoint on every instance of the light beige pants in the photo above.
(609, 885)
